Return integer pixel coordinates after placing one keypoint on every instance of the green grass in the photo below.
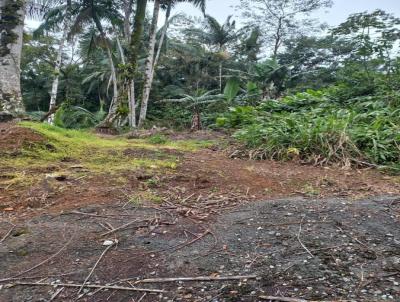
(96, 153)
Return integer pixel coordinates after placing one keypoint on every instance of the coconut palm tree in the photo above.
(153, 57)
(94, 12)
(56, 17)
(218, 37)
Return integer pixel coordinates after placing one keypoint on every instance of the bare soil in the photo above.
(321, 234)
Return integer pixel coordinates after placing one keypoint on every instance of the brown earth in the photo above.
(204, 218)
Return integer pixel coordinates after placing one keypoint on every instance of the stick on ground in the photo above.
(94, 267)
(119, 228)
(47, 260)
(301, 243)
(282, 299)
(134, 289)
(201, 278)
(6, 235)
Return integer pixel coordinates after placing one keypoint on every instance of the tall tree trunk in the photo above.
(127, 16)
(162, 38)
(278, 38)
(112, 111)
(132, 104)
(130, 87)
(57, 68)
(149, 64)
(12, 14)
(147, 88)
(135, 43)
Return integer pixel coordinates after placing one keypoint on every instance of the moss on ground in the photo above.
(62, 148)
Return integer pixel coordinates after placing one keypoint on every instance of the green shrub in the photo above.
(317, 128)
(158, 139)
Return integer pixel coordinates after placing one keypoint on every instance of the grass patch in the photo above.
(96, 153)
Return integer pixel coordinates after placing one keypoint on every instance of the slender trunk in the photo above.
(121, 50)
(129, 84)
(135, 43)
(149, 64)
(278, 38)
(57, 68)
(220, 76)
(127, 16)
(12, 14)
(158, 54)
(112, 112)
(132, 105)
(130, 88)
(162, 38)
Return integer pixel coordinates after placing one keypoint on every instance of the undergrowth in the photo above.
(317, 127)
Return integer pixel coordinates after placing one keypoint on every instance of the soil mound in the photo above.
(13, 137)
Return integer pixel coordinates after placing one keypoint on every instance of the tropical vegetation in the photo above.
(284, 84)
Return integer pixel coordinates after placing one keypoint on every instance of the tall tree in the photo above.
(135, 42)
(218, 37)
(66, 11)
(153, 57)
(12, 14)
(280, 20)
(149, 64)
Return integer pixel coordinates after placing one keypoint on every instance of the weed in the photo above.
(157, 139)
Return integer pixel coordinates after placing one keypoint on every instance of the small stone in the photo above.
(108, 242)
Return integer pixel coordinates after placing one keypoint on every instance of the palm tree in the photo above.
(135, 43)
(59, 15)
(93, 12)
(217, 36)
(153, 57)
(12, 24)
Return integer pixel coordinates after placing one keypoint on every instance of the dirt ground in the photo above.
(281, 229)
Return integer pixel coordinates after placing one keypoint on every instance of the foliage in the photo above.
(317, 128)
(157, 139)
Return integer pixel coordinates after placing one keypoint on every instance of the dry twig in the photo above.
(191, 279)
(46, 260)
(301, 243)
(8, 234)
(94, 267)
(91, 286)
(282, 299)
(119, 228)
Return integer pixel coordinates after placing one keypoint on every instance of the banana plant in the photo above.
(196, 104)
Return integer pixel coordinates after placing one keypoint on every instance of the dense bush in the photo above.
(75, 117)
(318, 127)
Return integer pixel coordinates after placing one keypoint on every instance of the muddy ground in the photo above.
(283, 229)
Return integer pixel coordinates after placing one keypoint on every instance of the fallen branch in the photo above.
(6, 235)
(191, 241)
(191, 279)
(46, 260)
(301, 243)
(56, 294)
(282, 299)
(119, 228)
(90, 286)
(37, 277)
(50, 112)
(94, 267)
